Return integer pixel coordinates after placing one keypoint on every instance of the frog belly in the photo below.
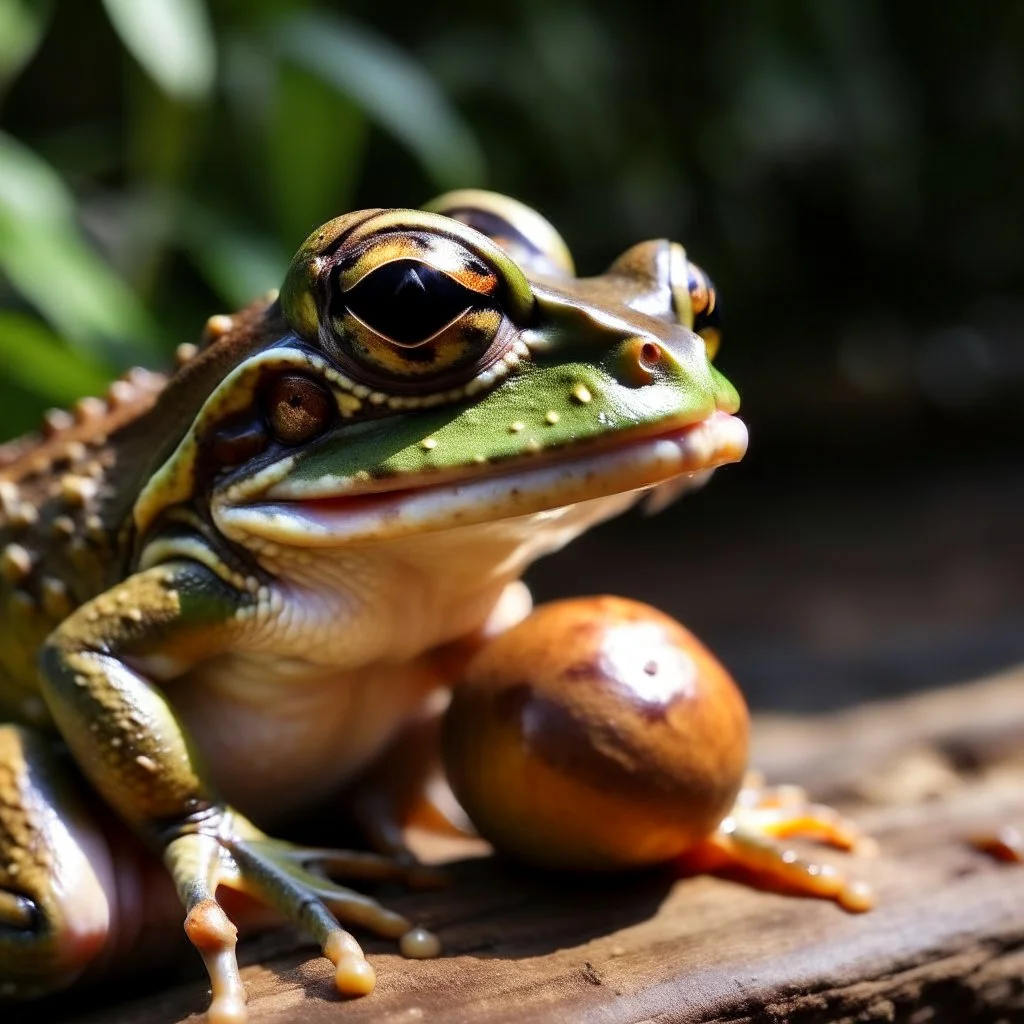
(279, 737)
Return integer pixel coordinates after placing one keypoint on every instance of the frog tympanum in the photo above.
(223, 591)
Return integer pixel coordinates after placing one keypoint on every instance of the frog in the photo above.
(223, 589)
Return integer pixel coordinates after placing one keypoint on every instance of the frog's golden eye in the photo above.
(298, 408)
(412, 307)
(410, 310)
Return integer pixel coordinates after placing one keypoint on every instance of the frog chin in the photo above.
(676, 458)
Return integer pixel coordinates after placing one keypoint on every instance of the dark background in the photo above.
(850, 173)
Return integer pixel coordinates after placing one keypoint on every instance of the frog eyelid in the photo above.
(519, 229)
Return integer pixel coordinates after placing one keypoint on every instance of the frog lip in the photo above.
(631, 461)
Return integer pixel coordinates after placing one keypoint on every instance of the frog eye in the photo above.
(695, 299)
(409, 305)
(408, 302)
(530, 239)
(411, 309)
(298, 408)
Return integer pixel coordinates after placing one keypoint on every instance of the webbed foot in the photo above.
(747, 841)
(297, 883)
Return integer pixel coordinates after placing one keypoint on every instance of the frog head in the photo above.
(445, 367)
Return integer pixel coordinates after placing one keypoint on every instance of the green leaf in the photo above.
(34, 358)
(389, 87)
(238, 264)
(45, 257)
(172, 40)
(312, 172)
(22, 24)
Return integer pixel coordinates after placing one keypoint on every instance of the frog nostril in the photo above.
(641, 360)
(649, 355)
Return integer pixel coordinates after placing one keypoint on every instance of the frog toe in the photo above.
(748, 842)
(299, 882)
(786, 811)
(296, 884)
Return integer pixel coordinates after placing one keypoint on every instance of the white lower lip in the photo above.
(634, 465)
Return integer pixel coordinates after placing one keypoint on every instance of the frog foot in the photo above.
(297, 884)
(747, 842)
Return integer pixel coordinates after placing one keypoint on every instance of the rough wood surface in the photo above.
(945, 944)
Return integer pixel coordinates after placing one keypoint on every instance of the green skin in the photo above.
(220, 586)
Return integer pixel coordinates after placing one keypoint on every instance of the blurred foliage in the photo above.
(849, 172)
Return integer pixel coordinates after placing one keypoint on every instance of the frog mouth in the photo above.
(527, 484)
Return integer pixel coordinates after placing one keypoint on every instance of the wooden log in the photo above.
(945, 943)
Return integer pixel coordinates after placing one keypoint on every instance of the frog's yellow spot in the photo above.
(77, 490)
(88, 409)
(15, 563)
(551, 417)
(56, 420)
(55, 598)
(185, 352)
(121, 392)
(24, 516)
(10, 497)
(532, 446)
(75, 451)
(63, 527)
(348, 404)
(479, 459)
(514, 428)
(217, 326)
(428, 444)
(582, 394)
(147, 763)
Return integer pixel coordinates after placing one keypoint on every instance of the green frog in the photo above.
(223, 591)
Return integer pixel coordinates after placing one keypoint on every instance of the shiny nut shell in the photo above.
(597, 734)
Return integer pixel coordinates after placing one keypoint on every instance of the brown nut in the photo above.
(597, 734)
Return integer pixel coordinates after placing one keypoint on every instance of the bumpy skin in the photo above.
(221, 592)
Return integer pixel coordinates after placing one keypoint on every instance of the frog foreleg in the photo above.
(127, 739)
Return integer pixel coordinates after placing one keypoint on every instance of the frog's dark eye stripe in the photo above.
(408, 301)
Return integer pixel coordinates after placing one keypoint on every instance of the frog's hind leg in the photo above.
(747, 841)
(56, 877)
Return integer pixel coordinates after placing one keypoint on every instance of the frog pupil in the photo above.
(408, 301)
